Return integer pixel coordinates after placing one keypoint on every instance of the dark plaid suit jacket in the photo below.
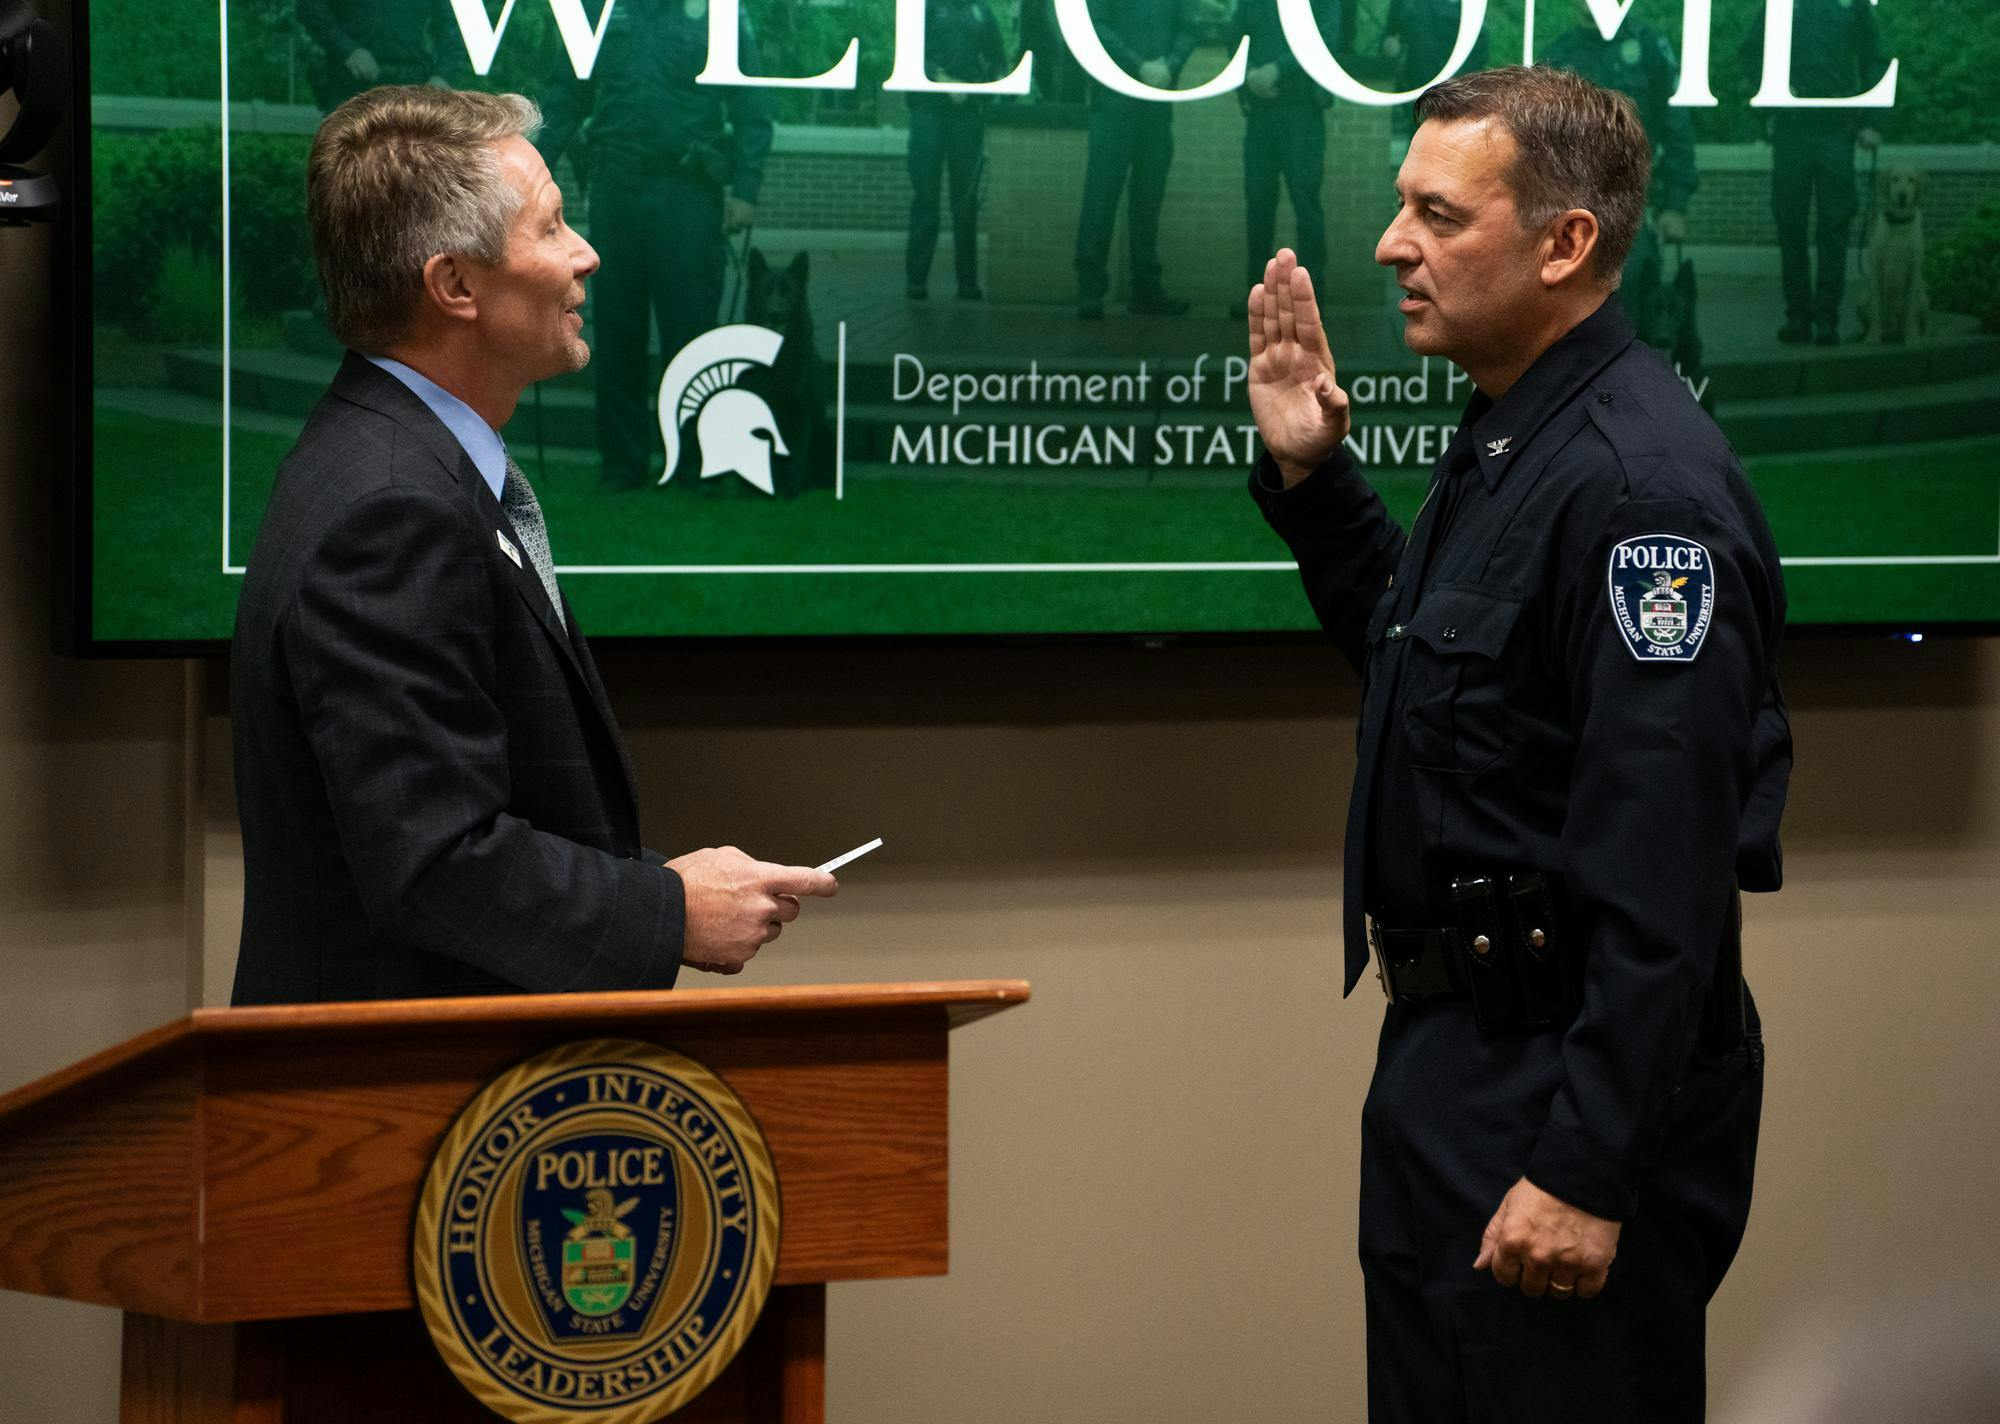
(434, 795)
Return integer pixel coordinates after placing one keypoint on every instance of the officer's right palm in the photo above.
(1301, 411)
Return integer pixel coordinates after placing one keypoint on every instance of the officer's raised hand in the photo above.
(1545, 1246)
(1301, 410)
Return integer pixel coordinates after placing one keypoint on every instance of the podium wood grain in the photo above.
(263, 1164)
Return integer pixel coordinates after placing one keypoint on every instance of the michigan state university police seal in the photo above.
(1662, 596)
(597, 1235)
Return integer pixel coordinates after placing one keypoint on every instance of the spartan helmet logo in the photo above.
(734, 428)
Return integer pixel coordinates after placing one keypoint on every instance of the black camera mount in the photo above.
(34, 64)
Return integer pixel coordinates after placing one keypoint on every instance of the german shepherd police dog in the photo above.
(795, 385)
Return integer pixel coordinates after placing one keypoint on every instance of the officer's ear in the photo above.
(1570, 249)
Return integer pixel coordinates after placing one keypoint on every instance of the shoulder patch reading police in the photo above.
(1662, 596)
(596, 1236)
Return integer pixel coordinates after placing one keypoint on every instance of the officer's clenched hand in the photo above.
(737, 214)
(1301, 410)
(361, 64)
(1546, 1246)
(737, 905)
(1156, 73)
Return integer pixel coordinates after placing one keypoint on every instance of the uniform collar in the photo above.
(1502, 429)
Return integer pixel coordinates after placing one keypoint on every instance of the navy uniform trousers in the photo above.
(662, 246)
(945, 139)
(1285, 141)
(1126, 136)
(1451, 1115)
(1813, 203)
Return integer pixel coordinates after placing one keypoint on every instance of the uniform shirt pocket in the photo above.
(1454, 690)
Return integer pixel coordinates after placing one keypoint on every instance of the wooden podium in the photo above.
(243, 1183)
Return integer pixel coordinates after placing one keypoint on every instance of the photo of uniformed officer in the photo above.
(1573, 753)
(1836, 51)
(948, 139)
(674, 167)
(1150, 40)
(1417, 35)
(363, 43)
(1639, 61)
(1284, 135)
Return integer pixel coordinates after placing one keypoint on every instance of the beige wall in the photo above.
(1154, 1166)
(90, 843)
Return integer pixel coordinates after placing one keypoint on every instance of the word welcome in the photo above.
(582, 41)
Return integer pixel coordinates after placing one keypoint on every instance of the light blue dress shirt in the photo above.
(480, 441)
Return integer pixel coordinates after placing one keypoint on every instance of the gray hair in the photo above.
(396, 176)
(1578, 146)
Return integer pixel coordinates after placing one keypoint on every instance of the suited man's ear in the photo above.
(448, 289)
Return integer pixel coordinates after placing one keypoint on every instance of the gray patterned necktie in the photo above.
(517, 497)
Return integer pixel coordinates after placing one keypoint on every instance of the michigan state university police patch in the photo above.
(1662, 596)
(597, 1235)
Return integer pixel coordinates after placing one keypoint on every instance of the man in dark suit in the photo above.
(434, 795)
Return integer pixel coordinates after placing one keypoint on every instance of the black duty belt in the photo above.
(1511, 951)
(1507, 950)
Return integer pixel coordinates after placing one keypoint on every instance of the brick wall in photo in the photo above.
(1034, 185)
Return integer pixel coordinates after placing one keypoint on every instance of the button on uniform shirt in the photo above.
(1574, 671)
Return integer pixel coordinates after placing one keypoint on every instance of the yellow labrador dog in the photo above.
(1894, 306)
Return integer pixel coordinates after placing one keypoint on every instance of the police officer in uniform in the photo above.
(363, 43)
(1572, 754)
(1640, 62)
(673, 167)
(1835, 53)
(1284, 134)
(1418, 35)
(1150, 40)
(948, 137)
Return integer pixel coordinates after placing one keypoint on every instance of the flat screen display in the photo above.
(877, 352)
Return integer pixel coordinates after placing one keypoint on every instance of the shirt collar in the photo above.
(480, 442)
(1502, 428)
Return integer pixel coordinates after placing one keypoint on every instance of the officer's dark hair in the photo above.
(397, 175)
(1579, 145)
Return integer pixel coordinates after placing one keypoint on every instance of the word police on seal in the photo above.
(597, 1235)
(1662, 596)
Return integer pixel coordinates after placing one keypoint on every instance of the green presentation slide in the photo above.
(869, 360)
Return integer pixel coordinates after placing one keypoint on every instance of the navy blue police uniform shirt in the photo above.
(1569, 665)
